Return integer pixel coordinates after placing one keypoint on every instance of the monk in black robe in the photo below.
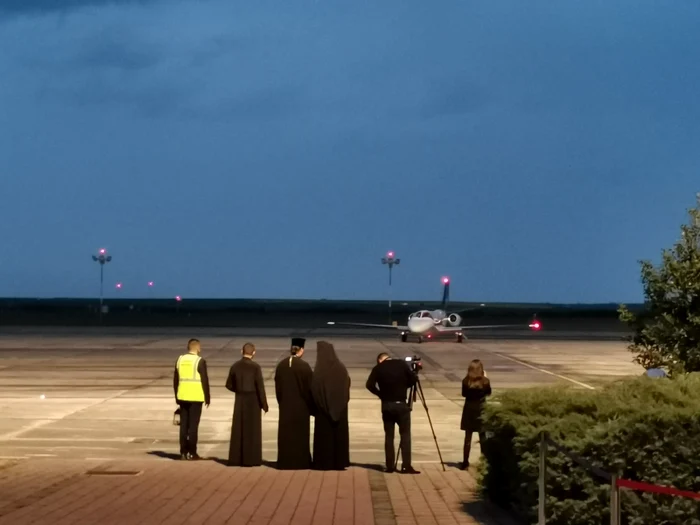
(330, 388)
(293, 390)
(245, 379)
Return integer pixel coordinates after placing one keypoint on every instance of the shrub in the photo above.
(667, 332)
(640, 429)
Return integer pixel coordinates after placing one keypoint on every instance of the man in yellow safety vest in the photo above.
(191, 384)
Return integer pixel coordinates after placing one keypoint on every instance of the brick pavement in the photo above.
(158, 491)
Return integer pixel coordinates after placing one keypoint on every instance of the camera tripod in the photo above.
(418, 389)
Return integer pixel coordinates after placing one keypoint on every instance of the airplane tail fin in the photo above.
(445, 293)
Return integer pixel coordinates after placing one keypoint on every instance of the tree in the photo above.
(667, 332)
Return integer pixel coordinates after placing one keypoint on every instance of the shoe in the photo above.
(389, 470)
(194, 457)
(184, 457)
(409, 470)
(464, 466)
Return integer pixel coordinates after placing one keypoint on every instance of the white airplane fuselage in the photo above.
(429, 324)
(424, 323)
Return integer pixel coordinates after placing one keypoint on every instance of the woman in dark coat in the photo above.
(330, 389)
(475, 388)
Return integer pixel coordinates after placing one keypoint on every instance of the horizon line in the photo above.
(271, 299)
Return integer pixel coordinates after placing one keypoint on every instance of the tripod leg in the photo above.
(425, 405)
(411, 399)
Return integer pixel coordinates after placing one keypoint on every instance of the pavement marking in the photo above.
(41, 423)
(538, 368)
(73, 439)
(31, 426)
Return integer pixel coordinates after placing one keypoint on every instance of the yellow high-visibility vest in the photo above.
(189, 387)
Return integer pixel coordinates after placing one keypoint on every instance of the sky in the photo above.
(531, 151)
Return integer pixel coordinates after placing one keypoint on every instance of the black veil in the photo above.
(330, 386)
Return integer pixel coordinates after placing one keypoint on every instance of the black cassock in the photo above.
(246, 380)
(331, 394)
(293, 389)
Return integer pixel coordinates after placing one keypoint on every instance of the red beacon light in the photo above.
(536, 325)
(445, 280)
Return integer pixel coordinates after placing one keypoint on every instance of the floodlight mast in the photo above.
(390, 261)
(103, 259)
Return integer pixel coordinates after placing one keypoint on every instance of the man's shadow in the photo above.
(265, 463)
(220, 461)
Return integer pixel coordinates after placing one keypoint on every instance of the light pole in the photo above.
(390, 260)
(103, 259)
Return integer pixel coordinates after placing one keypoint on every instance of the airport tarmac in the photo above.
(98, 395)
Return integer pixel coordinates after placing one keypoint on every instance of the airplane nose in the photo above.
(417, 325)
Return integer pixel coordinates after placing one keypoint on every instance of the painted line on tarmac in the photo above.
(44, 422)
(516, 360)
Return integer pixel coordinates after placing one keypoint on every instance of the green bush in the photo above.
(640, 429)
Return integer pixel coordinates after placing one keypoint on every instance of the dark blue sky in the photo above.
(533, 151)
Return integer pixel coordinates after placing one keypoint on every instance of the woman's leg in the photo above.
(467, 448)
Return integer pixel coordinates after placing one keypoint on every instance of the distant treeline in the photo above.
(261, 312)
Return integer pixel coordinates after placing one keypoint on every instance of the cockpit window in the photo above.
(425, 314)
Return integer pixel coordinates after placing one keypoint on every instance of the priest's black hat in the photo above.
(298, 341)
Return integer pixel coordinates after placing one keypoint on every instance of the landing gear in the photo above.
(420, 339)
(404, 337)
(460, 338)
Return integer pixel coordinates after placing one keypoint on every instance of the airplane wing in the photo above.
(441, 328)
(369, 325)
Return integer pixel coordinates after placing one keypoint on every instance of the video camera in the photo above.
(415, 363)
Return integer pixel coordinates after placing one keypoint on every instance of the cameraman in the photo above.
(389, 380)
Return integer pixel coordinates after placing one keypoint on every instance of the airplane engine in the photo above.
(454, 320)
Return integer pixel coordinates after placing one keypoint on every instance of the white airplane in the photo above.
(427, 324)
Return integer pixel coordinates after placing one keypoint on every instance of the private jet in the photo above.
(429, 324)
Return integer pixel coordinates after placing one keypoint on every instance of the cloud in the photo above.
(144, 61)
(456, 96)
(50, 6)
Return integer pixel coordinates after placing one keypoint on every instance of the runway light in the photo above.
(535, 325)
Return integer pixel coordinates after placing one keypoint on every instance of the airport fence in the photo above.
(616, 483)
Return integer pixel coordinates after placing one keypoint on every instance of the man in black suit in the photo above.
(390, 380)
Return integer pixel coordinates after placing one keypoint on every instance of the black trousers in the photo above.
(190, 413)
(468, 443)
(397, 413)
